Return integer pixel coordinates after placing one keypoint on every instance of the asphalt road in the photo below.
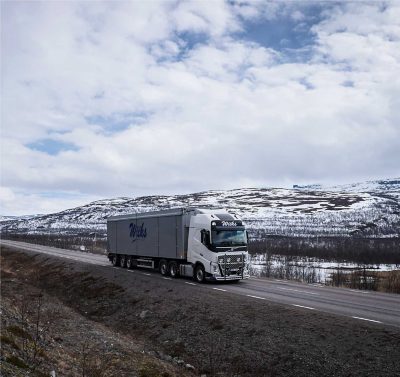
(376, 307)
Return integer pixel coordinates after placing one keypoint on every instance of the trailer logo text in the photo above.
(137, 231)
(229, 223)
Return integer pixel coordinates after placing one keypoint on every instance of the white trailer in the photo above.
(206, 244)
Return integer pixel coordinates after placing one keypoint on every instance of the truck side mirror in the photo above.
(247, 236)
(205, 237)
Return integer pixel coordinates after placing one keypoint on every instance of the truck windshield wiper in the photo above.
(224, 243)
(231, 247)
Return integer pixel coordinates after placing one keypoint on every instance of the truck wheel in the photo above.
(129, 264)
(163, 267)
(115, 260)
(122, 261)
(199, 273)
(173, 269)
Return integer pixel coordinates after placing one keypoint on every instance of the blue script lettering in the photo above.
(137, 231)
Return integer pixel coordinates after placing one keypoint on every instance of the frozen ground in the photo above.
(321, 270)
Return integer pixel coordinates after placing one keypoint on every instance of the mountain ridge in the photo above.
(368, 209)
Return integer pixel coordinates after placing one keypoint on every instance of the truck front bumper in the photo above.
(227, 278)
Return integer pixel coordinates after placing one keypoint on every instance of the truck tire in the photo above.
(173, 269)
(129, 264)
(199, 274)
(122, 261)
(115, 260)
(163, 266)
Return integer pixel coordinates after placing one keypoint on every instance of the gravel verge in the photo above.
(182, 330)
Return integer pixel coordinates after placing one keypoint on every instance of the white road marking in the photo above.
(167, 278)
(188, 282)
(260, 298)
(304, 307)
(143, 273)
(298, 290)
(358, 291)
(366, 319)
(220, 289)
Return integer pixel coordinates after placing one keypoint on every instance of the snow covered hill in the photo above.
(365, 209)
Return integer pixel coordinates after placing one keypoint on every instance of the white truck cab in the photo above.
(217, 246)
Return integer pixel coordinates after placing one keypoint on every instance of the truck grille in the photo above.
(230, 264)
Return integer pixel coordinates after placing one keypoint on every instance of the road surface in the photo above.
(376, 307)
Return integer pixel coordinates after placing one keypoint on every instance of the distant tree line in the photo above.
(339, 249)
(384, 281)
(287, 269)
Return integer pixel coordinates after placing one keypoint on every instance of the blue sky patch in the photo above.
(114, 123)
(192, 39)
(187, 41)
(348, 84)
(278, 34)
(289, 35)
(51, 146)
(303, 81)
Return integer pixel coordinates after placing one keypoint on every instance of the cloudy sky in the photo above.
(106, 99)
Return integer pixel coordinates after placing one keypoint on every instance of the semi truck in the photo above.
(206, 244)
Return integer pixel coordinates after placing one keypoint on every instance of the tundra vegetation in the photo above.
(297, 258)
(44, 334)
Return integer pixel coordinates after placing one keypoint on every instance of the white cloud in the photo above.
(213, 18)
(22, 203)
(297, 15)
(218, 112)
(6, 195)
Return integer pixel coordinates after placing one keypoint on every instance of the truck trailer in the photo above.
(206, 244)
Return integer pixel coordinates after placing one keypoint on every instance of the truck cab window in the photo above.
(229, 238)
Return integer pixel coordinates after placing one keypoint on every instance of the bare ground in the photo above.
(110, 322)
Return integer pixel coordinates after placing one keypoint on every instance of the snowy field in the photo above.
(311, 270)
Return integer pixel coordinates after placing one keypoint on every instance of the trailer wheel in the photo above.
(163, 266)
(122, 261)
(129, 264)
(173, 269)
(115, 260)
(199, 274)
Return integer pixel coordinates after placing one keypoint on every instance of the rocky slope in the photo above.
(146, 326)
(364, 209)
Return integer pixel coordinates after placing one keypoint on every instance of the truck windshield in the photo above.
(229, 238)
